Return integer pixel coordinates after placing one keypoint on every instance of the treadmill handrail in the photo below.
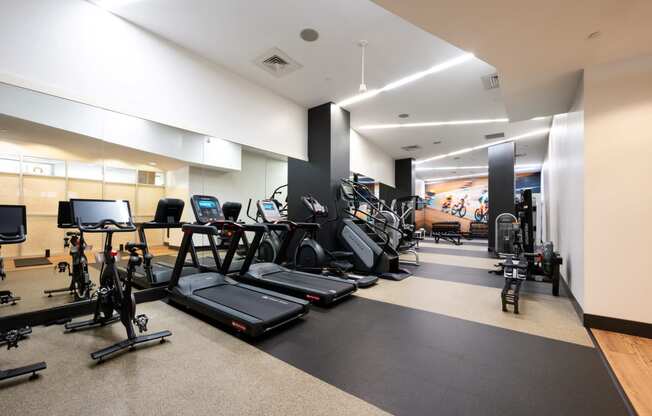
(301, 225)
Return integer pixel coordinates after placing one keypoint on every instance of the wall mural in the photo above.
(466, 200)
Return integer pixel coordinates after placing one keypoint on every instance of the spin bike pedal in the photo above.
(141, 321)
(63, 266)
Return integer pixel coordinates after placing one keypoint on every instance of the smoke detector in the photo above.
(491, 82)
(277, 63)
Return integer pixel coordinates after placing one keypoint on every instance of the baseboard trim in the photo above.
(624, 326)
(576, 305)
(619, 387)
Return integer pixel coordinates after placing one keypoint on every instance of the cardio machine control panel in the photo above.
(315, 206)
(269, 211)
(207, 209)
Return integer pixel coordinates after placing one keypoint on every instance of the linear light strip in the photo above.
(475, 175)
(406, 80)
(484, 146)
(434, 123)
(472, 167)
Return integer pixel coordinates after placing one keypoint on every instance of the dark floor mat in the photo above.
(456, 252)
(411, 362)
(34, 261)
(478, 277)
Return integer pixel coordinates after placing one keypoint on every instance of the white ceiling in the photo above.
(539, 47)
(234, 33)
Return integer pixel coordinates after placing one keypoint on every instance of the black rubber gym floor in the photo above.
(411, 362)
(455, 252)
(474, 276)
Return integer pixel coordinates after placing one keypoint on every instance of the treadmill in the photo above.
(247, 309)
(319, 289)
(153, 273)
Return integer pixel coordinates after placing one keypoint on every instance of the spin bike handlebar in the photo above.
(103, 226)
(13, 238)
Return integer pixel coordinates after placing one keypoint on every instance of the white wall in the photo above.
(76, 50)
(259, 176)
(562, 180)
(370, 160)
(115, 128)
(618, 166)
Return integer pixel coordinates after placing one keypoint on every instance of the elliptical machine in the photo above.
(312, 257)
(366, 233)
(115, 292)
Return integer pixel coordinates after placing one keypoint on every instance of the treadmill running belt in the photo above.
(306, 281)
(259, 305)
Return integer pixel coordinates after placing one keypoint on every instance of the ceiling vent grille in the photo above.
(491, 82)
(277, 63)
(520, 155)
(411, 148)
(494, 136)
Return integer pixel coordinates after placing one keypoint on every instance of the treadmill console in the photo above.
(269, 211)
(207, 209)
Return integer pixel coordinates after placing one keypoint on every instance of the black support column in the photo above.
(328, 154)
(404, 180)
(501, 185)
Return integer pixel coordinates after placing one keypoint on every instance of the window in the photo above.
(43, 167)
(9, 164)
(80, 170)
(120, 175)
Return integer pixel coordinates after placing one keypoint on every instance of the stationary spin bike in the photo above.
(80, 282)
(13, 230)
(115, 293)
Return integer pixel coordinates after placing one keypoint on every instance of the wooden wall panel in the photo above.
(121, 191)
(79, 188)
(10, 185)
(147, 198)
(42, 233)
(42, 194)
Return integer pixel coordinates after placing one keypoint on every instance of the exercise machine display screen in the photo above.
(207, 209)
(94, 211)
(11, 218)
(269, 211)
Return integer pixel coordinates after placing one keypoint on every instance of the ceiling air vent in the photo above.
(411, 148)
(277, 63)
(520, 155)
(494, 136)
(491, 82)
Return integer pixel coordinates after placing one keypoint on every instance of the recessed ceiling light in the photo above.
(152, 163)
(533, 133)
(434, 123)
(309, 35)
(403, 115)
(406, 80)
